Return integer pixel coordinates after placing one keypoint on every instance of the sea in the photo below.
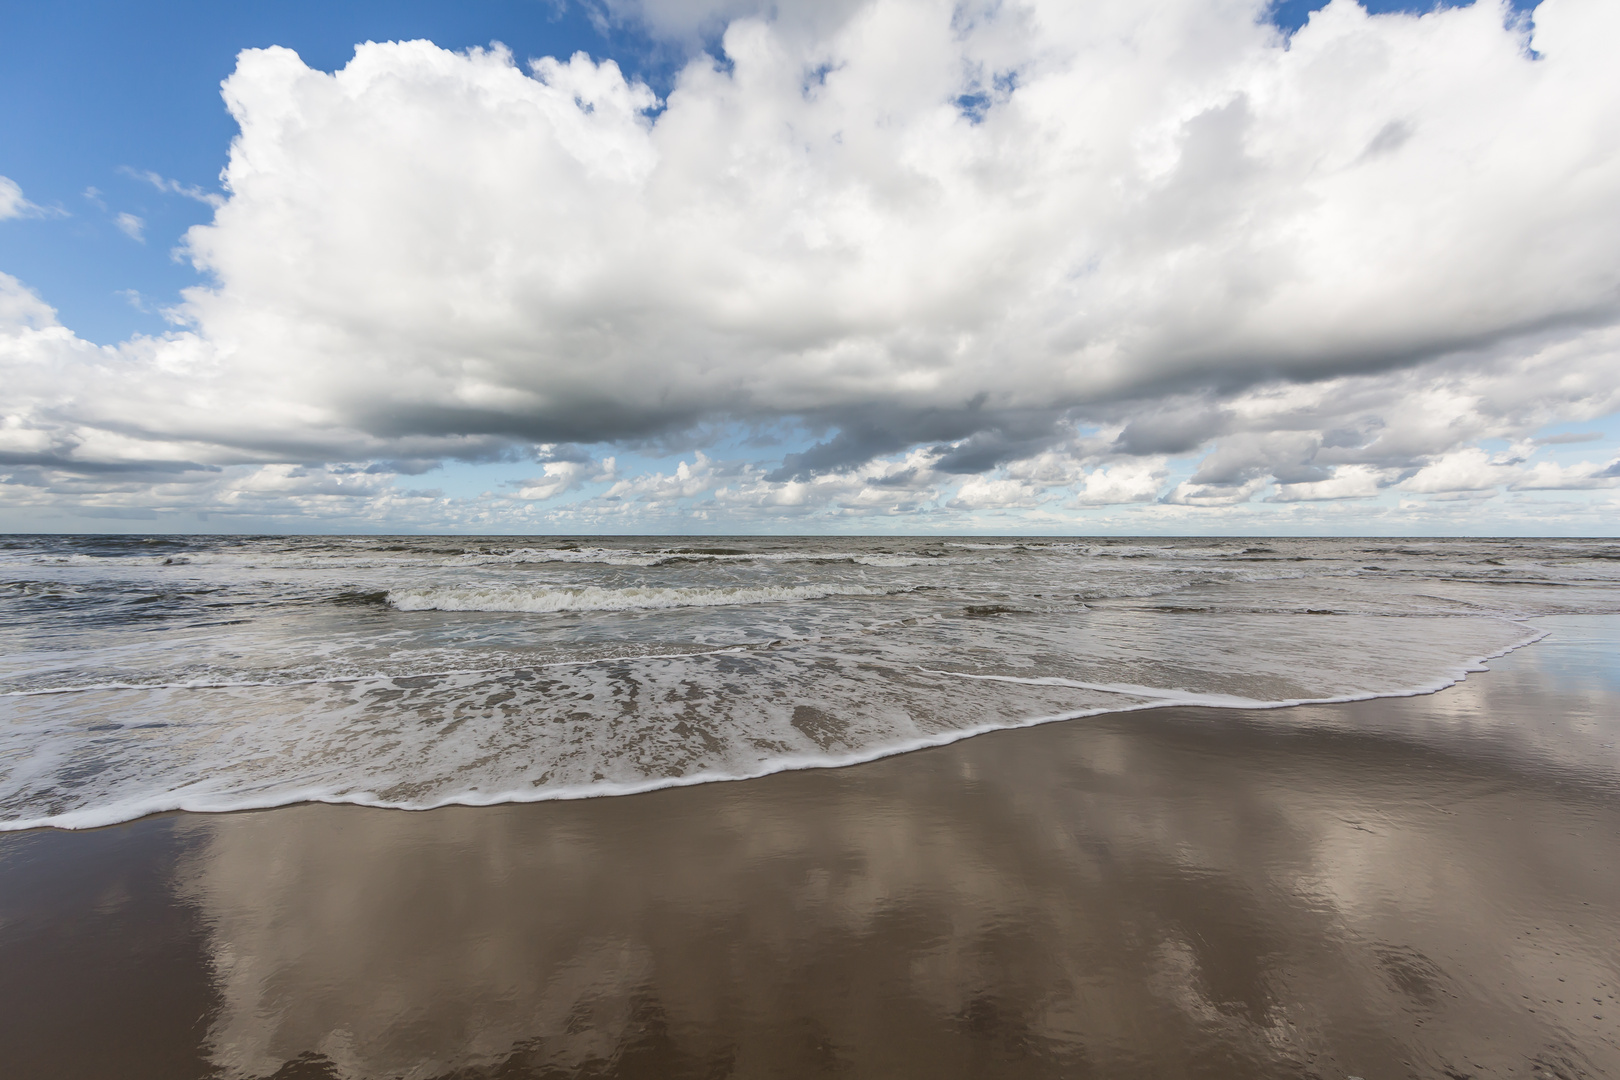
(141, 674)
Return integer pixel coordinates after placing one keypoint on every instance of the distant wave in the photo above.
(622, 557)
(548, 598)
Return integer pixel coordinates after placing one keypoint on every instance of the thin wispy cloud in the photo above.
(12, 203)
(175, 187)
(131, 226)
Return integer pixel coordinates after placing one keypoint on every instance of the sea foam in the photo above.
(269, 670)
(547, 598)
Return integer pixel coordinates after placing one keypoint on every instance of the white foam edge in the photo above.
(170, 802)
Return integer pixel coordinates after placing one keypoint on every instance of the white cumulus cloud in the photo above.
(1347, 482)
(1122, 482)
(1326, 261)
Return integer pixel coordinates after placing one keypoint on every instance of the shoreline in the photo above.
(165, 804)
(1410, 886)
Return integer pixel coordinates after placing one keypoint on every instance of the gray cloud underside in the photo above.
(1016, 241)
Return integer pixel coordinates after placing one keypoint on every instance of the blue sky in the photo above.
(114, 132)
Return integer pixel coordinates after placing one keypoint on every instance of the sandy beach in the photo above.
(771, 539)
(1419, 887)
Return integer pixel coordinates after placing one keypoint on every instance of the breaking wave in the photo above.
(550, 598)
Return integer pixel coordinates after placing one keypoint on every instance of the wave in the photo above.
(396, 555)
(295, 679)
(540, 599)
(197, 797)
(668, 556)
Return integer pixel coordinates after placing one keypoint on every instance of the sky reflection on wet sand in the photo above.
(1425, 887)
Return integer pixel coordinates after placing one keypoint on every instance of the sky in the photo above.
(731, 266)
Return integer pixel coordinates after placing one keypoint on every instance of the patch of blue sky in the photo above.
(1604, 431)
(1290, 15)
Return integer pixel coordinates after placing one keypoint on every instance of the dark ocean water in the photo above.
(141, 674)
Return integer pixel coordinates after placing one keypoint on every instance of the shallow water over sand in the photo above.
(1419, 887)
(143, 674)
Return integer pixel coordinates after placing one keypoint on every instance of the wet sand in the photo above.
(1421, 887)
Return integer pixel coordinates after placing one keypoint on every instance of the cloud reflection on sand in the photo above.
(1330, 890)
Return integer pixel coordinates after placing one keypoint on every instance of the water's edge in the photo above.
(121, 814)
